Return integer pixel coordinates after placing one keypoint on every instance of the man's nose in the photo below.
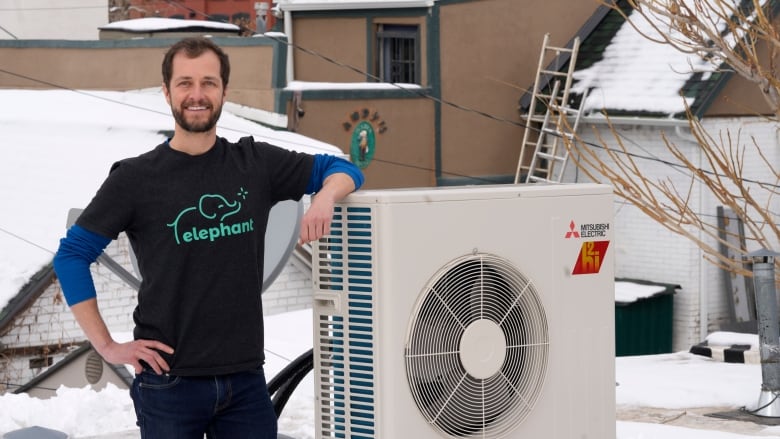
(197, 91)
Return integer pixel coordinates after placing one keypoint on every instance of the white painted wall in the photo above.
(647, 250)
(45, 19)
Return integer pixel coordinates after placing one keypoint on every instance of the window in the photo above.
(398, 53)
(40, 363)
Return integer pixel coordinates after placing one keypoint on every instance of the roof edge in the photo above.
(324, 5)
(26, 296)
(586, 29)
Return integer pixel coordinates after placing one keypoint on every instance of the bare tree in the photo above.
(722, 31)
(730, 34)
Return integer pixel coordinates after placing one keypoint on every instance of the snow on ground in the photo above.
(673, 381)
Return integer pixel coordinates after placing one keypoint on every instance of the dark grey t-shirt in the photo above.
(197, 226)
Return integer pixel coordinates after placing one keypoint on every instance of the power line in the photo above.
(650, 156)
(23, 239)
(138, 107)
(422, 94)
(9, 33)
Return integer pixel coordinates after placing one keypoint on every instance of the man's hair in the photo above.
(193, 47)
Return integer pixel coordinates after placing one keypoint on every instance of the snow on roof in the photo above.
(58, 146)
(319, 5)
(634, 74)
(157, 24)
(639, 75)
(307, 85)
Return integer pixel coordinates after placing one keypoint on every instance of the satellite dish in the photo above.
(281, 235)
(284, 224)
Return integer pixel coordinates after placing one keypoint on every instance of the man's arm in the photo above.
(77, 251)
(316, 222)
(332, 179)
(94, 327)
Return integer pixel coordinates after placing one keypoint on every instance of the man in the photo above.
(195, 209)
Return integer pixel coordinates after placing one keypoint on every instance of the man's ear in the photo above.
(167, 93)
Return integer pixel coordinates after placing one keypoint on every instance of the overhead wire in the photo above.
(416, 91)
(421, 93)
(9, 33)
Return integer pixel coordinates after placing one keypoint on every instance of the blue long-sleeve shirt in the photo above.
(81, 247)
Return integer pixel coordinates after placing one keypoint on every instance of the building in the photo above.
(430, 93)
(243, 13)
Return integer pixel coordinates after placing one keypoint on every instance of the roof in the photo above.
(324, 5)
(118, 369)
(624, 73)
(158, 24)
(26, 296)
(627, 74)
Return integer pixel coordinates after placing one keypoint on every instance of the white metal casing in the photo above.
(385, 249)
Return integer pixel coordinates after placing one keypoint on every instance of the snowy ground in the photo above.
(659, 397)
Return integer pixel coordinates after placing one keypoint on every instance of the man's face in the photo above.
(196, 93)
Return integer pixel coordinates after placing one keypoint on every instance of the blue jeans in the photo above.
(221, 407)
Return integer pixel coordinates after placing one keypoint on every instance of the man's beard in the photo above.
(197, 127)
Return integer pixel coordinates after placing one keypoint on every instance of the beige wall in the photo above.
(404, 154)
(488, 69)
(489, 51)
(488, 55)
(741, 97)
(341, 39)
(106, 66)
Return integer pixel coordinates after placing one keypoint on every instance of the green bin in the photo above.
(643, 325)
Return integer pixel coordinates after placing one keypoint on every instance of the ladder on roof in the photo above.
(550, 154)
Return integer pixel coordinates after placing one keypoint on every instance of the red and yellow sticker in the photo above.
(591, 257)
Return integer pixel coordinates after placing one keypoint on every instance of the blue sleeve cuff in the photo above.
(325, 165)
(78, 250)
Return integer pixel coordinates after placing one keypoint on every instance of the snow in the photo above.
(636, 75)
(726, 338)
(628, 292)
(673, 381)
(155, 24)
(58, 146)
(308, 85)
(315, 5)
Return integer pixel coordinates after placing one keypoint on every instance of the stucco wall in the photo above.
(404, 150)
(488, 60)
(136, 64)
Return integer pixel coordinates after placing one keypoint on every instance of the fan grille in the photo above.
(477, 349)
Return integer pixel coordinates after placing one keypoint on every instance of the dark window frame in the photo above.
(398, 53)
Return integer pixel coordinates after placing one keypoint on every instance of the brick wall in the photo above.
(647, 250)
(48, 328)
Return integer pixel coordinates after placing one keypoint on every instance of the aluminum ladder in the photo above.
(550, 155)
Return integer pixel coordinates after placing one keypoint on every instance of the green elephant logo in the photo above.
(211, 207)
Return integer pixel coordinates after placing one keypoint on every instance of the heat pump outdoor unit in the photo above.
(467, 312)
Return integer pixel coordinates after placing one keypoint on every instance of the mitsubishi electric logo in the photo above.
(210, 219)
(592, 252)
(572, 233)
